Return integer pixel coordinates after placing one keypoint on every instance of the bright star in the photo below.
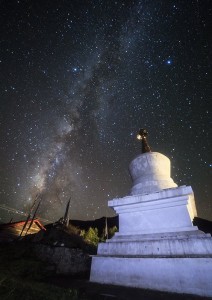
(169, 62)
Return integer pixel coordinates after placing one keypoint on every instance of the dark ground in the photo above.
(96, 291)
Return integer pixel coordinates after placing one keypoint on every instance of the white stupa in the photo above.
(157, 247)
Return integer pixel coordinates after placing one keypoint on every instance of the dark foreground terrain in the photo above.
(23, 276)
(89, 290)
(65, 288)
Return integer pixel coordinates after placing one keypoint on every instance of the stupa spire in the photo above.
(142, 136)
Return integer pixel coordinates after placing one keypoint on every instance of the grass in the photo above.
(12, 288)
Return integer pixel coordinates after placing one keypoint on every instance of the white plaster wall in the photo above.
(171, 209)
(180, 275)
(184, 246)
(154, 219)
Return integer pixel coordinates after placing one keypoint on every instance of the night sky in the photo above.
(77, 81)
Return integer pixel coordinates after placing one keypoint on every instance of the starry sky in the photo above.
(77, 81)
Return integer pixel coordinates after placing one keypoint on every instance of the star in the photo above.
(77, 90)
(169, 62)
(75, 69)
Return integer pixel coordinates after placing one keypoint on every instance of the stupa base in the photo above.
(189, 275)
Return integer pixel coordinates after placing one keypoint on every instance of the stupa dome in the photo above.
(150, 173)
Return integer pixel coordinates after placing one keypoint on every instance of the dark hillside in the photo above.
(203, 225)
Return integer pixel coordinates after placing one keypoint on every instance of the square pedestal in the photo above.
(157, 247)
(176, 274)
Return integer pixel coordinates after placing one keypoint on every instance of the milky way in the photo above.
(78, 79)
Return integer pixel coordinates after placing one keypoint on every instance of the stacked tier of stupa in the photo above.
(157, 246)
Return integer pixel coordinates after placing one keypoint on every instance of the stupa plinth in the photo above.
(157, 246)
